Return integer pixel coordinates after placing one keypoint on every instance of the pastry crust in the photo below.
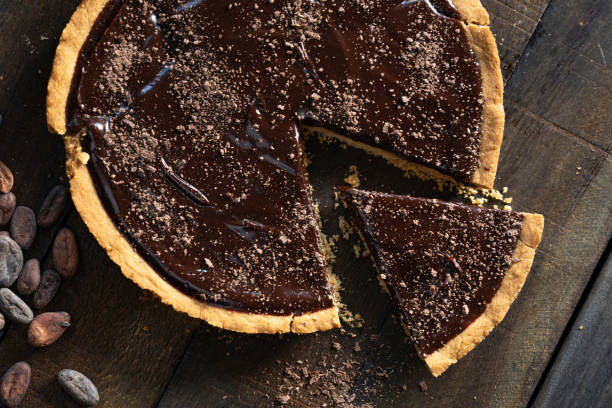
(134, 267)
(472, 12)
(451, 352)
(483, 43)
(94, 215)
(476, 24)
(64, 64)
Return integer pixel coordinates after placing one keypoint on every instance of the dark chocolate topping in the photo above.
(441, 262)
(192, 111)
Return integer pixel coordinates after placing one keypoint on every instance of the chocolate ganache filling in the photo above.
(442, 262)
(193, 109)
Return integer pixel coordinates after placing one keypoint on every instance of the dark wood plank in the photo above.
(513, 23)
(585, 354)
(574, 47)
(548, 169)
(127, 342)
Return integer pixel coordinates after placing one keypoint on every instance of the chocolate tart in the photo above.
(182, 122)
(452, 270)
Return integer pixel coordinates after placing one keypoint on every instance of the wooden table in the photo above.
(553, 348)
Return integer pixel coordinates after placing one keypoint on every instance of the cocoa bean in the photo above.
(29, 278)
(2, 322)
(23, 226)
(65, 253)
(8, 202)
(14, 308)
(53, 206)
(78, 387)
(46, 328)
(11, 261)
(49, 285)
(6, 178)
(15, 383)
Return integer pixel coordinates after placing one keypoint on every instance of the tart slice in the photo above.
(452, 270)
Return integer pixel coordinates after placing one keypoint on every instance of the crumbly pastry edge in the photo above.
(64, 64)
(514, 278)
(482, 42)
(472, 12)
(89, 206)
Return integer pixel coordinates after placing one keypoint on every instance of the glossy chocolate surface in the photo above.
(192, 112)
(441, 262)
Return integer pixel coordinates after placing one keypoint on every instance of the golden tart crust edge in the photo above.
(132, 265)
(514, 278)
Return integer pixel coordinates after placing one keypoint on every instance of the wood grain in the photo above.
(513, 23)
(585, 354)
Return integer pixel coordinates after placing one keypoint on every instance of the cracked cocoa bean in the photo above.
(23, 226)
(53, 206)
(14, 308)
(11, 261)
(65, 253)
(15, 383)
(78, 387)
(6, 178)
(46, 328)
(29, 278)
(49, 285)
(8, 202)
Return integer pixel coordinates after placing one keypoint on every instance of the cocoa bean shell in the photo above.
(46, 328)
(6, 178)
(23, 226)
(53, 206)
(65, 253)
(49, 285)
(78, 387)
(8, 202)
(14, 384)
(29, 278)
(14, 308)
(11, 261)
